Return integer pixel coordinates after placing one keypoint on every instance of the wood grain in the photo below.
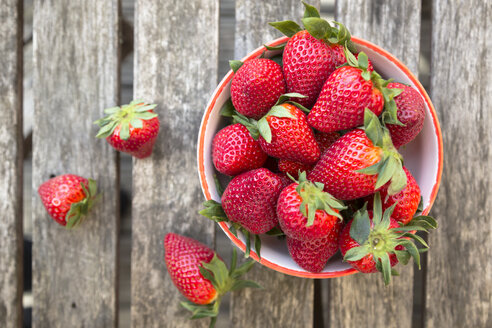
(11, 163)
(287, 301)
(459, 277)
(362, 300)
(176, 59)
(76, 76)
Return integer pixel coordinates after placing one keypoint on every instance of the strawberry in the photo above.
(411, 113)
(307, 213)
(235, 151)
(131, 128)
(325, 140)
(345, 95)
(68, 198)
(308, 58)
(339, 51)
(360, 162)
(201, 276)
(256, 86)
(407, 200)
(373, 241)
(250, 199)
(312, 255)
(293, 168)
(285, 134)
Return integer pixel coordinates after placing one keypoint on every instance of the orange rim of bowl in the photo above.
(201, 167)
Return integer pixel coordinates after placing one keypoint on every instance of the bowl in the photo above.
(422, 156)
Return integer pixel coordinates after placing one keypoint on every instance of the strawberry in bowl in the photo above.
(382, 164)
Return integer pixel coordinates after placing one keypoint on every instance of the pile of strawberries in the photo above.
(312, 150)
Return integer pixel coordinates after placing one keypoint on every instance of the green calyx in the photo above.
(124, 116)
(314, 198)
(79, 210)
(223, 280)
(390, 166)
(380, 240)
(318, 27)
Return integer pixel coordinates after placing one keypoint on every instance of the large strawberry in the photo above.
(312, 255)
(68, 198)
(373, 241)
(308, 58)
(360, 162)
(235, 151)
(256, 86)
(410, 112)
(250, 200)
(285, 134)
(131, 128)
(306, 212)
(201, 276)
(346, 94)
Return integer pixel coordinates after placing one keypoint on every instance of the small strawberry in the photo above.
(360, 162)
(345, 95)
(131, 128)
(306, 212)
(308, 58)
(312, 255)
(411, 113)
(250, 199)
(201, 276)
(285, 134)
(256, 86)
(68, 198)
(235, 151)
(373, 241)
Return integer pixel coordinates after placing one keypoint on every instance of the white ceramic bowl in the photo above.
(423, 157)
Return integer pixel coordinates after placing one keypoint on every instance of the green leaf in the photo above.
(385, 222)
(214, 211)
(416, 238)
(277, 59)
(355, 254)
(219, 271)
(240, 284)
(373, 128)
(111, 110)
(361, 227)
(377, 209)
(92, 187)
(310, 11)
(107, 130)
(288, 28)
(233, 261)
(370, 170)
(343, 36)
(279, 47)
(145, 108)
(301, 107)
(429, 220)
(249, 123)
(366, 75)
(386, 268)
(227, 109)
(208, 275)
(145, 115)
(264, 129)
(420, 208)
(398, 180)
(218, 186)
(136, 123)
(275, 232)
(258, 246)
(317, 27)
(244, 268)
(402, 256)
(363, 60)
(281, 112)
(351, 60)
(394, 272)
(386, 171)
(412, 250)
(235, 65)
(283, 98)
(248, 244)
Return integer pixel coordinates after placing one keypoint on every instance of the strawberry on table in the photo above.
(256, 86)
(373, 241)
(360, 162)
(410, 112)
(235, 151)
(201, 276)
(68, 198)
(131, 128)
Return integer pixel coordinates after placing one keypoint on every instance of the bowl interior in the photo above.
(423, 157)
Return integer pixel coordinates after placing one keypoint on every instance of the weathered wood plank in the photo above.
(459, 274)
(362, 300)
(76, 76)
(11, 163)
(287, 301)
(176, 59)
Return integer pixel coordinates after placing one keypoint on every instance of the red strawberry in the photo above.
(407, 201)
(130, 128)
(339, 51)
(256, 86)
(293, 168)
(68, 198)
(360, 162)
(373, 241)
(250, 199)
(344, 97)
(411, 112)
(312, 255)
(235, 151)
(305, 212)
(285, 134)
(201, 276)
(325, 140)
(307, 63)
